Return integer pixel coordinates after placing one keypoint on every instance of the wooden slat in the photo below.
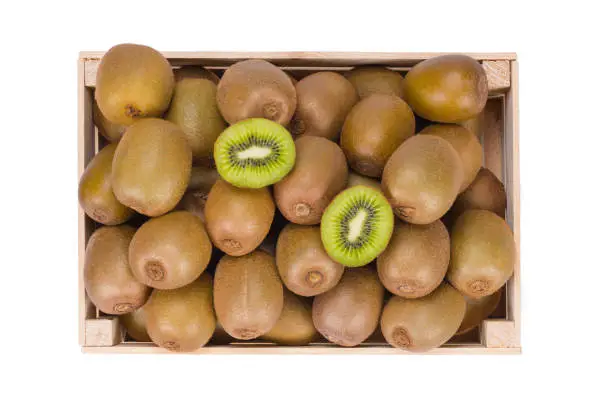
(499, 334)
(492, 141)
(103, 332)
(498, 75)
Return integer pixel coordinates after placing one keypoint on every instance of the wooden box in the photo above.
(499, 137)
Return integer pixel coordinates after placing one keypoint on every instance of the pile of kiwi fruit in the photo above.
(247, 206)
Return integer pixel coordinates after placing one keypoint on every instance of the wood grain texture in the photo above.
(493, 135)
(499, 334)
(498, 75)
(104, 332)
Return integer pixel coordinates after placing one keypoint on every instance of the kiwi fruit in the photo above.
(449, 88)
(135, 324)
(419, 325)
(467, 146)
(111, 131)
(348, 313)
(478, 310)
(133, 81)
(476, 125)
(182, 319)
(357, 226)
(356, 179)
(200, 183)
(373, 130)
(238, 219)
(323, 101)
(416, 259)
(422, 179)
(254, 153)
(294, 327)
(320, 172)
(248, 294)
(485, 193)
(197, 72)
(371, 79)
(109, 282)
(96, 192)
(256, 89)
(170, 251)
(202, 178)
(482, 253)
(304, 266)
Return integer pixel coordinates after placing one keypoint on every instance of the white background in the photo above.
(565, 110)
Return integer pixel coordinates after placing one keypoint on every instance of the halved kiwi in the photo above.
(254, 153)
(357, 226)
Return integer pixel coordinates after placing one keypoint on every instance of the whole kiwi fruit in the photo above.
(133, 81)
(111, 131)
(476, 124)
(304, 266)
(448, 88)
(294, 327)
(485, 193)
(151, 167)
(373, 130)
(200, 183)
(422, 179)
(425, 323)
(478, 310)
(371, 79)
(135, 324)
(356, 179)
(170, 251)
(195, 71)
(320, 172)
(109, 282)
(96, 192)
(482, 253)
(248, 294)
(348, 313)
(416, 259)
(256, 89)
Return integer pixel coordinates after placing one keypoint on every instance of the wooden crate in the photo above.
(499, 138)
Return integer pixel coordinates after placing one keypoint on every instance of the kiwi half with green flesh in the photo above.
(135, 324)
(111, 131)
(371, 79)
(96, 192)
(323, 101)
(422, 179)
(419, 325)
(357, 226)
(109, 282)
(238, 219)
(248, 294)
(133, 81)
(319, 174)
(482, 253)
(356, 179)
(478, 310)
(254, 153)
(256, 89)
(416, 259)
(348, 313)
(195, 71)
(170, 251)
(182, 319)
(294, 327)
(304, 266)
(373, 130)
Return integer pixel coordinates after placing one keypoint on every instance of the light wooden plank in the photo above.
(499, 334)
(492, 142)
(103, 332)
(498, 75)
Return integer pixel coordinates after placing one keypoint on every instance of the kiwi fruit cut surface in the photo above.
(248, 294)
(422, 179)
(96, 192)
(256, 89)
(182, 319)
(356, 179)
(170, 251)
(371, 79)
(254, 153)
(482, 253)
(449, 88)
(319, 174)
(478, 310)
(109, 282)
(348, 313)
(135, 324)
(304, 266)
(356, 226)
(111, 131)
(416, 259)
(425, 323)
(195, 71)
(373, 130)
(294, 327)
(323, 101)
(133, 81)
(151, 167)
(485, 193)
(238, 219)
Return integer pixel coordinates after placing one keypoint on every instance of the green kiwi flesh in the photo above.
(294, 327)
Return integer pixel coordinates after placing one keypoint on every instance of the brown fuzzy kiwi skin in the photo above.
(303, 265)
(96, 192)
(356, 179)
(371, 79)
(135, 324)
(482, 253)
(170, 251)
(422, 178)
(294, 327)
(195, 71)
(416, 259)
(348, 313)
(256, 89)
(111, 131)
(422, 324)
(133, 81)
(476, 125)
(373, 130)
(319, 174)
(182, 319)
(323, 101)
(108, 279)
(248, 294)
(478, 310)
(201, 182)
